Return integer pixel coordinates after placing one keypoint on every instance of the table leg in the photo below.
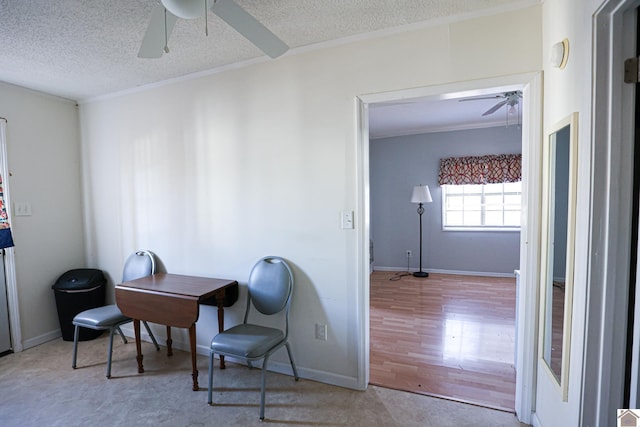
(169, 342)
(136, 330)
(220, 299)
(192, 341)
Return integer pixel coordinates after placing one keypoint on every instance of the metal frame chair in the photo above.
(270, 286)
(139, 264)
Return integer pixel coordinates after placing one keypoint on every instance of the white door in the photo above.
(5, 334)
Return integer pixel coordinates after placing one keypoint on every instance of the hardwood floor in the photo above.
(445, 335)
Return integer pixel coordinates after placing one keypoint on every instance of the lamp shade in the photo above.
(421, 194)
(187, 9)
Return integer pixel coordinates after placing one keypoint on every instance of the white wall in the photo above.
(44, 161)
(399, 163)
(215, 172)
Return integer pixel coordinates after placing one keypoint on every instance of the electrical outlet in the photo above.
(321, 331)
(408, 253)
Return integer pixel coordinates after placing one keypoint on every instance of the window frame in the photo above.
(482, 228)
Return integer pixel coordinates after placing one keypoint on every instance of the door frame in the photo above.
(610, 224)
(9, 256)
(527, 304)
(634, 383)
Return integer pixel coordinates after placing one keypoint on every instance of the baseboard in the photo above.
(284, 368)
(456, 272)
(41, 339)
(315, 375)
(376, 268)
(274, 366)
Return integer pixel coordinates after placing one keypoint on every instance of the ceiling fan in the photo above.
(167, 12)
(509, 99)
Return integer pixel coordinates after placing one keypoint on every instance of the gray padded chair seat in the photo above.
(101, 317)
(247, 340)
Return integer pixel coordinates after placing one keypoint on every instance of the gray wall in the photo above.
(399, 163)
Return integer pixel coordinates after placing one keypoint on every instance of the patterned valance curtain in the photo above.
(6, 240)
(490, 169)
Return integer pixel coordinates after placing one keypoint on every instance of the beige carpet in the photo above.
(38, 387)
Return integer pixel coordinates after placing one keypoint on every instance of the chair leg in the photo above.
(210, 387)
(153, 338)
(262, 387)
(124, 339)
(111, 332)
(293, 365)
(75, 346)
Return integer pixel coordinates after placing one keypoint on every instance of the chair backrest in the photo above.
(270, 286)
(139, 264)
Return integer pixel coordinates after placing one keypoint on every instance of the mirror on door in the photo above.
(558, 228)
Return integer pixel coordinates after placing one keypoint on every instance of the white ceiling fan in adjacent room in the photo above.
(167, 12)
(509, 100)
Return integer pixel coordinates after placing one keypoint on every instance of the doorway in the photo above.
(530, 85)
(450, 334)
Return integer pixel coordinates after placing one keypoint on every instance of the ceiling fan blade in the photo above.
(154, 40)
(495, 107)
(481, 97)
(249, 27)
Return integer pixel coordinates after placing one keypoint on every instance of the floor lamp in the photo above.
(421, 195)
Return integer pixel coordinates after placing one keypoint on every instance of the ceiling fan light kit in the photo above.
(187, 9)
(165, 14)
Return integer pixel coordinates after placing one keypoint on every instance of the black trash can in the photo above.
(76, 291)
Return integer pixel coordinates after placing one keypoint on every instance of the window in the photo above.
(481, 206)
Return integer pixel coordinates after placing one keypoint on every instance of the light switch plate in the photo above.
(22, 209)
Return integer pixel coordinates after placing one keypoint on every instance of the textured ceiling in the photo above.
(84, 49)
(81, 49)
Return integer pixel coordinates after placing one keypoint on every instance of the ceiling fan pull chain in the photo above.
(166, 41)
(206, 20)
